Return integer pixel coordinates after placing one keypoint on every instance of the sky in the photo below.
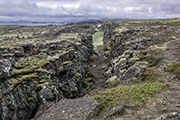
(79, 10)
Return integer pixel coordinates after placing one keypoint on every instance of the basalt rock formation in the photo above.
(34, 72)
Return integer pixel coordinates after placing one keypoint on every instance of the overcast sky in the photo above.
(73, 10)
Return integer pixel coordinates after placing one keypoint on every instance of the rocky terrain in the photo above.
(123, 70)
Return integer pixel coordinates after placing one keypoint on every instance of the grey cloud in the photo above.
(66, 10)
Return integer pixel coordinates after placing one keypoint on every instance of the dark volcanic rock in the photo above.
(5, 68)
(108, 31)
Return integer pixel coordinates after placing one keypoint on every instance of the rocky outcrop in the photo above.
(126, 38)
(127, 45)
(36, 73)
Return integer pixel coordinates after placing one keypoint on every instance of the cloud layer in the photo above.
(76, 10)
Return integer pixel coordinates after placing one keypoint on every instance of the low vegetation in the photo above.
(137, 94)
(150, 75)
(174, 68)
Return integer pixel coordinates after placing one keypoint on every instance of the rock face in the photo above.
(72, 109)
(142, 54)
(34, 72)
(127, 60)
(108, 31)
(5, 68)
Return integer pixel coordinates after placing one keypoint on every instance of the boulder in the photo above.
(72, 109)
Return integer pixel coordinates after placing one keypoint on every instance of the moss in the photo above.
(88, 82)
(42, 63)
(23, 71)
(157, 52)
(145, 63)
(174, 68)
(137, 94)
(123, 44)
(151, 75)
(42, 81)
(28, 77)
(78, 43)
(134, 59)
(26, 65)
(23, 79)
(78, 75)
(30, 99)
(52, 87)
(127, 43)
(67, 62)
(36, 82)
(112, 79)
(43, 84)
(31, 63)
(9, 102)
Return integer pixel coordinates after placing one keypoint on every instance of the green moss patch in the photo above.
(134, 59)
(23, 79)
(137, 94)
(88, 84)
(43, 84)
(67, 62)
(31, 63)
(78, 75)
(174, 68)
(157, 52)
(150, 75)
